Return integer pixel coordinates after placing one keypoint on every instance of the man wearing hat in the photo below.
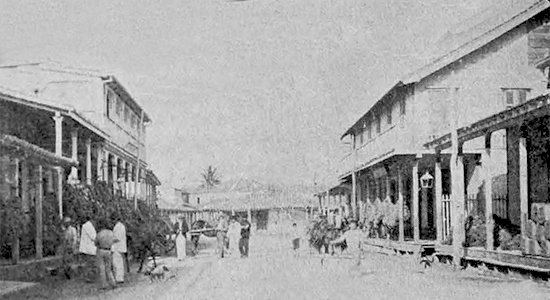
(70, 245)
(353, 241)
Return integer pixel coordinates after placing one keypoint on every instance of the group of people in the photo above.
(233, 236)
(100, 247)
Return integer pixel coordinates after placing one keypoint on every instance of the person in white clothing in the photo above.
(353, 241)
(234, 234)
(88, 249)
(119, 248)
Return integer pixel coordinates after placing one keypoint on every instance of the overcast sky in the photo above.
(259, 87)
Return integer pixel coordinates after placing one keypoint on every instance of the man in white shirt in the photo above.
(88, 248)
(119, 248)
(234, 234)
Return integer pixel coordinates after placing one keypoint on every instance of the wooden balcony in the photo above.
(393, 140)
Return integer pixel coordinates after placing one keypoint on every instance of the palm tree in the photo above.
(210, 177)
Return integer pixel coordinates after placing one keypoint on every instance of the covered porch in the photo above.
(512, 231)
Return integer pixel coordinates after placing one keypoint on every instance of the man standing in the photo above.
(119, 248)
(88, 248)
(70, 246)
(234, 234)
(353, 241)
(104, 241)
(221, 231)
(245, 236)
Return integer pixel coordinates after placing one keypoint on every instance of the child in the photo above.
(295, 239)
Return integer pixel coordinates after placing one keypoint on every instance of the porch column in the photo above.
(58, 119)
(60, 171)
(73, 177)
(359, 200)
(488, 174)
(89, 161)
(17, 175)
(387, 186)
(58, 152)
(400, 205)
(38, 216)
(249, 217)
(457, 219)
(414, 205)
(438, 187)
(105, 166)
(523, 185)
(353, 201)
(99, 163)
(424, 210)
(114, 166)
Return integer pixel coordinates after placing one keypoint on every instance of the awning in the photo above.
(21, 147)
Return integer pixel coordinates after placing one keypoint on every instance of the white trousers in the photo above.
(118, 266)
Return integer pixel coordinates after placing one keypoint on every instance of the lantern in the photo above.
(427, 180)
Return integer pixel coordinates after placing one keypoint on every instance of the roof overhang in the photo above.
(23, 148)
(362, 118)
(50, 106)
(476, 43)
(515, 116)
(114, 84)
(462, 51)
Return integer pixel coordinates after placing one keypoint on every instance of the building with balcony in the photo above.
(413, 152)
(118, 156)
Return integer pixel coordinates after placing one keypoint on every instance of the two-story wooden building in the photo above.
(102, 100)
(414, 149)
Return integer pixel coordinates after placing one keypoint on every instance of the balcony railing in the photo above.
(374, 150)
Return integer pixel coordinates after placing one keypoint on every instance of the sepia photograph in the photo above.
(274, 149)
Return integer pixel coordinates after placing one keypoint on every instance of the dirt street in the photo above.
(272, 272)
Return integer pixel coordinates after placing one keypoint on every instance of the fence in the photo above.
(500, 208)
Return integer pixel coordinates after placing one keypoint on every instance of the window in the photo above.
(111, 101)
(378, 129)
(402, 107)
(126, 114)
(514, 97)
(133, 121)
(369, 131)
(118, 107)
(361, 133)
(389, 111)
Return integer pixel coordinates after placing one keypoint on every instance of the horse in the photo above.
(205, 228)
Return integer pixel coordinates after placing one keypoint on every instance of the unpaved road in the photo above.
(272, 272)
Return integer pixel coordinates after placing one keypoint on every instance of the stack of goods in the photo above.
(507, 234)
(537, 235)
(475, 231)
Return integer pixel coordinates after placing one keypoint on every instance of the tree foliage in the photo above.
(211, 177)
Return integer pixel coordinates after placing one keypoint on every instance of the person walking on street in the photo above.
(295, 239)
(221, 231)
(70, 246)
(88, 249)
(180, 243)
(119, 249)
(245, 237)
(234, 234)
(104, 258)
(353, 241)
